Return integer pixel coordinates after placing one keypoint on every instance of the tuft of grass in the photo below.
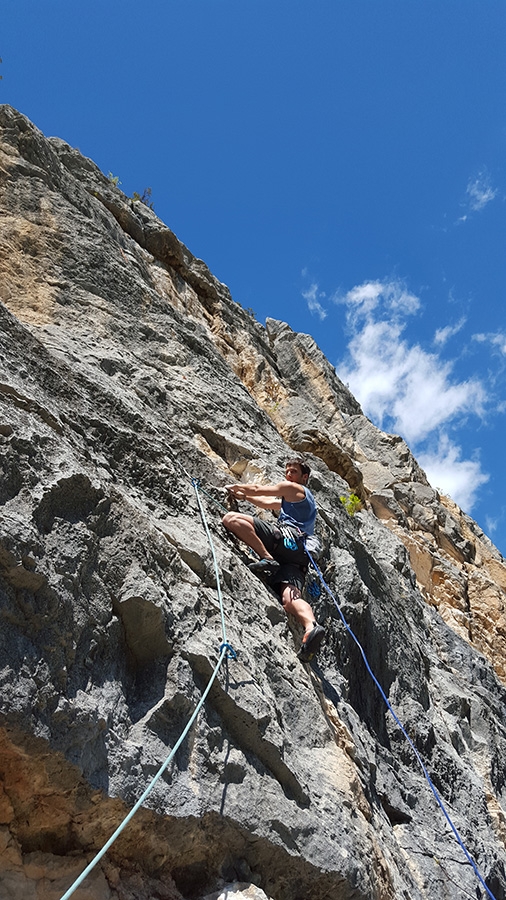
(114, 179)
(352, 504)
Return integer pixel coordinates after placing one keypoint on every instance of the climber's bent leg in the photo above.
(243, 527)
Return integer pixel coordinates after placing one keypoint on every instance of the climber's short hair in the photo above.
(299, 461)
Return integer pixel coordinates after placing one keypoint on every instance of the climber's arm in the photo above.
(287, 490)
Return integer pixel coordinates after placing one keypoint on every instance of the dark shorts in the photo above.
(293, 563)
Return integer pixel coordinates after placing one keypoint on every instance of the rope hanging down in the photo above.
(226, 652)
(403, 730)
(196, 485)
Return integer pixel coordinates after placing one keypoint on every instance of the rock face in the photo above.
(127, 370)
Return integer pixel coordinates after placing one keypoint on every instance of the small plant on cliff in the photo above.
(351, 504)
(114, 179)
(145, 197)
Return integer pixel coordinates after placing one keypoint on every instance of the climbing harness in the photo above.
(402, 729)
(289, 539)
(226, 652)
(295, 539)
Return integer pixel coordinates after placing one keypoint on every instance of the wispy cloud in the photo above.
(443, 335)
(461, 478)
(494, 520)
(492, 523)
(403, 387)
(497, 340)
(312, 296)
(480, 192)
(391, 296)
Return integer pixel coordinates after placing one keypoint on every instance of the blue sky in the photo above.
(340, 164)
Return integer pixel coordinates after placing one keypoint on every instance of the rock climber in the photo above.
(280, 545)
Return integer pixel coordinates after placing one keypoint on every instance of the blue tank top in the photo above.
(302, 514)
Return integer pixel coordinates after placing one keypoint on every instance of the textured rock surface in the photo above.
(122, 360)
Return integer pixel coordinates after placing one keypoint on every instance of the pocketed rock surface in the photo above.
(126, 372)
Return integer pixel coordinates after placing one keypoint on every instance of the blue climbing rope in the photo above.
(226, 652)
(402, 729)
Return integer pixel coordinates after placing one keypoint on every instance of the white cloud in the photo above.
(408, 390)
(495, 520)
(365, 298)
(394, 380)
(491, 523)
(497, 340)
(460, 478)
(311, 296)
(480, 192)
(443, 335)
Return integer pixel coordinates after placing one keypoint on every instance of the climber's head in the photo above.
(297, 470)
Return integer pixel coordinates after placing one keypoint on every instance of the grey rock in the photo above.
(126, 372)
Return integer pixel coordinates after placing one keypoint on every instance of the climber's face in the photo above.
(293, 472)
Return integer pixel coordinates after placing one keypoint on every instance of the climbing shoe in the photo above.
(264, 567)
(310, 646)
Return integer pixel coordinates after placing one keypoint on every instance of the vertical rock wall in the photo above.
(125, 367)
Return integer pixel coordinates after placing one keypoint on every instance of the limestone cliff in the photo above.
(124, 365)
